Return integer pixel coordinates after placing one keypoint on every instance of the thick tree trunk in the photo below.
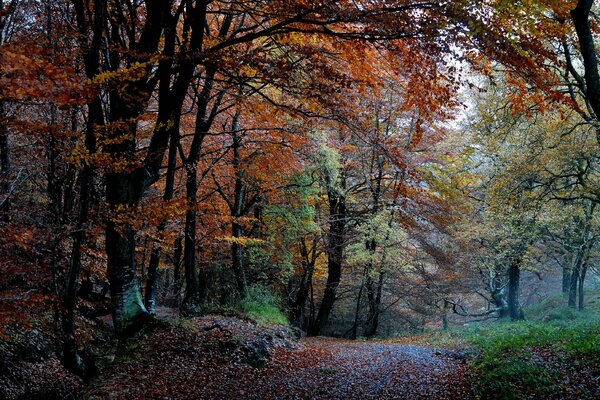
(335, 257)
(574, 284)
(123, 193)
(129, 311)
(581, 19)
(514, 283)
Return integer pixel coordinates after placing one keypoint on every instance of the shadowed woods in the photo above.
(187, 184)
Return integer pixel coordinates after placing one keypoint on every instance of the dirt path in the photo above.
(338, 369)
(206, 363)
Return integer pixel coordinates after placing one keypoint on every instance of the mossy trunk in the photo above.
(129, 311)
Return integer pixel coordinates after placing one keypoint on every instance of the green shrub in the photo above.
(263, 307)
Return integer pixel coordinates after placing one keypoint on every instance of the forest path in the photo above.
(205, 359)
(341, 369)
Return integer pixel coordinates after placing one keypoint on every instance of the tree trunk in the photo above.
(357, 310)
(374, 294)
(177, 270)
(150, 298)
(238, 261)
(335, 256)
(95, 118)
(129, 311)
(580, 256)
(374, 308)
(445, 316)
(581, 19)
(573, 288)
(302, 293)
(191, 301)
(150, 290)
(514, 283)
(581, 303)
(237, 212)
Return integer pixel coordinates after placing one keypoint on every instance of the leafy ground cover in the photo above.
(224, 358)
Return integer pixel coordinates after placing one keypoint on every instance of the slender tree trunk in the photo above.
(202, 274)
(445, 316)
(177, 270)
(374, 308)
(298, 304)
(576, 273)
(374, 294)
(237, 250)
(150, 295)
(238, 260)
(150, 289)
(191, 301)
(357, 308)
(95, 118)
(581, 303)
(204, 120)
(335, 256)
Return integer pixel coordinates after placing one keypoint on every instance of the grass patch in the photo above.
(537, 358)
(263, 307)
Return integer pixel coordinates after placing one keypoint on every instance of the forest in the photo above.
(300, 199)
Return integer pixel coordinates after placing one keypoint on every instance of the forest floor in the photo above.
(219, 358)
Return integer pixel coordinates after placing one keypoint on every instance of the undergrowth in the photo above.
(260, 305)
(524, 359)
(543, 357)
(263, 307)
